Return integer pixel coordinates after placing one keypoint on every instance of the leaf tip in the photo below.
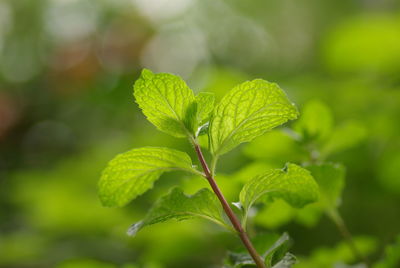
(134, 229)
(146, 73)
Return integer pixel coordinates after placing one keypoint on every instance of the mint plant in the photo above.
(249, 110)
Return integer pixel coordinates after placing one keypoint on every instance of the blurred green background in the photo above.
(66, 107)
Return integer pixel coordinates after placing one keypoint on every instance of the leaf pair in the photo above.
(295, 185)
(246, 112)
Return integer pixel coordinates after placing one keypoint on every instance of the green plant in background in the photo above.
(249, 110)
(315, 132)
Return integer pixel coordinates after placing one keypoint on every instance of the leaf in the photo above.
(178, 206)
(246, 112)
(205, 104)
(277, 250)
(344, 137)
(166, 101)
(132, 173)
(287, 261)
(315, 122)
(330, 178)
(294, 184)
(273, 246)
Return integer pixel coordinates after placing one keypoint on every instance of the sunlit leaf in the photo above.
(167, 102)
(246, 112)
(294, 184)
(178, 206)
(132, 173)
(205, 105)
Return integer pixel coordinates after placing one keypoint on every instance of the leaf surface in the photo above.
(249, 110)
(178, 206)
(295, 185)
(167, 102)
(205, 105)
(132, 173)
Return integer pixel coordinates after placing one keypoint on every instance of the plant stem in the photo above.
(344, 231)
(228, 210)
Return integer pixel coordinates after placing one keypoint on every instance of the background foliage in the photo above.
(66, 74)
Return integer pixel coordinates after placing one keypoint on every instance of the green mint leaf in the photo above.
(294, 184)
(287, 261)
(249, 110)
(166, 101)
(132, 173)
(205, 103)
(178, 206)
(344, 137)
(277, 250)
(273, 246)
(330, 178)
(315, 122)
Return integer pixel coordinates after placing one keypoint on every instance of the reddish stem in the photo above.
(228, 210)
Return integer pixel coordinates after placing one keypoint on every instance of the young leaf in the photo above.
(273, 246)
(330, 178)
(166, 101)
(246, 112)
(277, 250)
(205, 104)
(178, 206)
(132, 173)
(287, 261)
(294, 184)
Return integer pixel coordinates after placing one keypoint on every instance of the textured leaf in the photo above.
(178, 206)
(330, 178)
(295, 185)
(166, 101)
(315, 122)
(205, 105)
(246, 112)
(132, 173)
